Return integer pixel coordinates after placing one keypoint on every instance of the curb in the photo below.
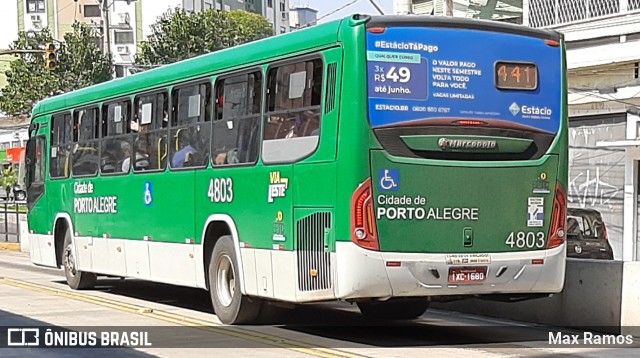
(10, 246)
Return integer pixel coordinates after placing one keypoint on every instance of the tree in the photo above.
(251, 27)
(179, 34)
(80, 63)
(8, 180)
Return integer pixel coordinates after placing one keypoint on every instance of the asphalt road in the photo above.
(337, 328)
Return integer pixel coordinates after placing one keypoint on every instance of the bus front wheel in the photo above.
(229, 304)
(394, 309)
(76, 279)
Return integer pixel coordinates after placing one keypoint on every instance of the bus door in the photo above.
(468, 162)
(36, 200)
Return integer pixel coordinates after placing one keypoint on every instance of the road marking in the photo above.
(246, 334)
(11, 246)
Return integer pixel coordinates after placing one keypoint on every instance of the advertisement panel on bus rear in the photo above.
(429, 75)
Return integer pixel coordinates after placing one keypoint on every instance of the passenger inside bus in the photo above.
(126, 162)
(110, 155)
(184, 156)
(301, 124)
(85, 160)
(245, 150)
(228, 157)
(142, 158)
(142, 154)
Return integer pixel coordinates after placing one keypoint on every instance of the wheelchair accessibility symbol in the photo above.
(148, 193)
(389, 179)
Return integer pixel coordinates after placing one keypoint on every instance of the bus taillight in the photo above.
(363, 224)
(376, 30)
(469, 122)
(557, 233)
(552, 43)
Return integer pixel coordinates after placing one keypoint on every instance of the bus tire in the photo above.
(76, 279)
(394, 309)
(229, 304)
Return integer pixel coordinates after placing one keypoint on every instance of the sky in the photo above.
(360, 6)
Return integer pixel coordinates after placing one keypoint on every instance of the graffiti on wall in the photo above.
(588, 189)
(596, 174)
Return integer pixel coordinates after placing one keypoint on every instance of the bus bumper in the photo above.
(364, 273)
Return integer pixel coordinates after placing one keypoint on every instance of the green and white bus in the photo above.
(388, 161)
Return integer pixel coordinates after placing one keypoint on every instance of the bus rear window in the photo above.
(422, 76)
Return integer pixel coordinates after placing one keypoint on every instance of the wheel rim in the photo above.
(69, 261)
(226, 281)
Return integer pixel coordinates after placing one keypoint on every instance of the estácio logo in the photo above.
(540, 111)
(515, 109)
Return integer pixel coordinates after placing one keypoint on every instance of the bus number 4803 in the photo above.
(221, 190)
(527, 240)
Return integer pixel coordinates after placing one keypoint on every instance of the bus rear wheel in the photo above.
(394, 309)
(76, 279)
(230, 305)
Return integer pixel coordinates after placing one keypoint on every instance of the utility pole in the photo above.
(107, 26)
(275, 18)
(449, 7)
(402, 7)
(15, 52)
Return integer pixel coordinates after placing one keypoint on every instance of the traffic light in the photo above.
(50, 57)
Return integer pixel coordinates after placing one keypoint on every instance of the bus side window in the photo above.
(115, 153)
(85, 157)
(61, 142)
(148, 149)
(292, 121)
(35, 165)
(38, 173)
(190, 131)
(236, 128)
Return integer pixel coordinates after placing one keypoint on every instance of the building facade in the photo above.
(603, 57)
(302, 16)
(12, 138)
(122, 17)
(500, 10)
(128, 21)
(276, 11)
(9, 21)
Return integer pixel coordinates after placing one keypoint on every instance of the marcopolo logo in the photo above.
(445, 144)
